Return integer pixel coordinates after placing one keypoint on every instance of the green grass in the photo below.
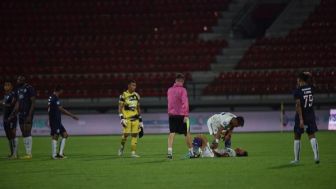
(92, 163)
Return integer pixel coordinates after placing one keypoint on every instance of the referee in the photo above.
(178, 111)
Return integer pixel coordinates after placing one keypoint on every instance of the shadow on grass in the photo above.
(285, 166)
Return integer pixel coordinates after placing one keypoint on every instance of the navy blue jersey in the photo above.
(24, 94)
(306, 96)
(53, 110)
(8, 104)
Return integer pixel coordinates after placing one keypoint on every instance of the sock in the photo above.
(10, 143)
(133, 143)
(314, 145)
(191, 151)
(62, 145)
(227, 143)
(208, 145)
(15, 146)
(170, 151)
(123, 141)
(297, 148)
(28, 142)
(53, 148)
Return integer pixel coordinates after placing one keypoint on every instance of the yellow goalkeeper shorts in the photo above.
(132, 127)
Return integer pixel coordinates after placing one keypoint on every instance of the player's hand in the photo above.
(75, 117)
(141, 124)
(185, 119)
(301, 124)
(214, 144)
(123, 122)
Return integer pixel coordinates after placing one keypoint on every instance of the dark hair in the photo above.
(244, 154)
(58, 88)
(240, 120)
(179, 76)
(304, 77)
(131, 81)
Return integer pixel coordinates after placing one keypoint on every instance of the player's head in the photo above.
(238, 121)
(21, 80)
(302, 78)
(240, 152)
(58, 90)
(131, 86)
(8, 86)
(179, 78)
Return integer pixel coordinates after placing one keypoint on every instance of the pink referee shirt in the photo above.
(178, 103)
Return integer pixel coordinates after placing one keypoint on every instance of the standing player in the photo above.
(223, 124)
(10, 125)
(131, 120)
(305, 116)
(178, 111)
(24, 107)
(54, 110)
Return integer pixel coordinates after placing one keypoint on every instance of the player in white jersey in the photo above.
(221, 126)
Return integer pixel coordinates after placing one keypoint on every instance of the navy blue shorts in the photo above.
(56, 129)
(310, 126)
(23, 117)
(10, 124)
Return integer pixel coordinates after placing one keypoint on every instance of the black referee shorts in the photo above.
(176, 125)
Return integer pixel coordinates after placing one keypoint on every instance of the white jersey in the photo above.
(228, 151)
(219, 120)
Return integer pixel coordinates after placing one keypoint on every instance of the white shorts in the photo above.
(207, 153)
(212, 130)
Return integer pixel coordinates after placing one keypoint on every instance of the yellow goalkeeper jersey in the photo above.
(131, 103)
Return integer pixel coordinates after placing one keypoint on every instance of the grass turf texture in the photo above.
(92, 163)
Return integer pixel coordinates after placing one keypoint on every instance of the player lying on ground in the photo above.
(10, 125)
(55, 109)
(202, 148)
(223, 124)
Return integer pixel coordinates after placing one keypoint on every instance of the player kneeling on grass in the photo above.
(221, 126)
(202, 148)
(131, 121)
(54, 110)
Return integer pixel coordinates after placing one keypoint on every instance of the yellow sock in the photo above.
(133, 143)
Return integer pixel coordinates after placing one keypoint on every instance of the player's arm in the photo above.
(66, 112)
(185, 105)
(298, 110)
(140, 117)
(217, 137)
(31, 110)
(15, 111)
(120, 110)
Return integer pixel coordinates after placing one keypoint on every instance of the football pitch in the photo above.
(93, 163)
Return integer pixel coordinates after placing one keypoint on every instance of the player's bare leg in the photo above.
(62, 145)
(189, 144)
(314, 145)
(27, 139)
(170, 145)
(134, 141)
(297, 148)
(122, 146)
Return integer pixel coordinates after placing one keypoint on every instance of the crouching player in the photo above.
(55, 109)
(222, 125)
